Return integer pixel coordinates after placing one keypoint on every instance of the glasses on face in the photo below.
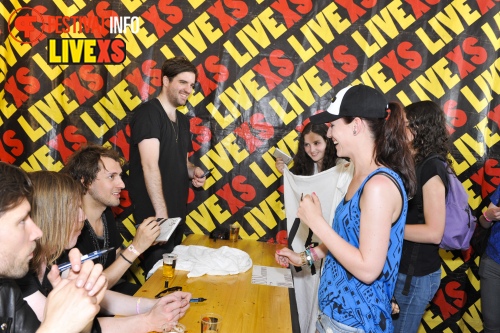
(168, 291)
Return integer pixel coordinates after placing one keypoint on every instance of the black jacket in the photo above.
(16, 316)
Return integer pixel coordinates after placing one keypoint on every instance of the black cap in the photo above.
(354, 101)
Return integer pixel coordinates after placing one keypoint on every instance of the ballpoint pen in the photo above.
(197, 300)
(90, 256)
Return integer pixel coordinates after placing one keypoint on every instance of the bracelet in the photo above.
(132, 249)
(303, 258)
(309, 258)
(121, 255)
(487, 219)
(314, 254)
(137, 307)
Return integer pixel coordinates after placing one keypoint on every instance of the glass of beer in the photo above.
(210, 323)
(234, 230)
(169, 260)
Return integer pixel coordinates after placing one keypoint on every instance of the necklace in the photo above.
(176, 132)
(95, 240)
(171, 122)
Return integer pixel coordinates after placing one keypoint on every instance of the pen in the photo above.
(197, 300)
(90, 256)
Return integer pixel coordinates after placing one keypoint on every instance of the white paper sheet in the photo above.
(272, 276)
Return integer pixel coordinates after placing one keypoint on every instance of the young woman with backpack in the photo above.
(420, 270)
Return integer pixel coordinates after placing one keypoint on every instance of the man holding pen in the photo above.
(99, 170)
(74, 302)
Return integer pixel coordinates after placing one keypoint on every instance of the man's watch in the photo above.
(132, 249)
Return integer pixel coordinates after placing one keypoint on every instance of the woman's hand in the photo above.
(492, 213)
(280, 165)
(284, 257)
(310, 210)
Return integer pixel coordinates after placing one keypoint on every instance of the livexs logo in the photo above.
(86, 51)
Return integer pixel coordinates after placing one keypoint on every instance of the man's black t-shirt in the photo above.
(151, 121)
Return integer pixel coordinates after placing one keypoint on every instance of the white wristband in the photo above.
(132, 249)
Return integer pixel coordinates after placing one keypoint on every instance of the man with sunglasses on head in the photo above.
(159, 166)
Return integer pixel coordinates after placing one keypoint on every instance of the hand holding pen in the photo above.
(90, 256)
(86, 275)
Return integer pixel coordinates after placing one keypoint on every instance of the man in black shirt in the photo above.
(159, 166)
(99, 170)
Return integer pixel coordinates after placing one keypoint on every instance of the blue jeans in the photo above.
(326, 324)
(489, 273)
(412, 306)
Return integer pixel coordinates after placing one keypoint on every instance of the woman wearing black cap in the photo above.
(363, 247)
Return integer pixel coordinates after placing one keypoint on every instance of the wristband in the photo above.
(121, 255)
(309, 258)
(303, 258)
(487, 219)
(132, 249)
(137, 306)
(314, 254)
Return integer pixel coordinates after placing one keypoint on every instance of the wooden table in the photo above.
(244, 307)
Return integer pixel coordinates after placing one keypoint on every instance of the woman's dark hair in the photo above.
(15, 186)
(391, 145)
(173, 66)
(427, 123)
(303, 165)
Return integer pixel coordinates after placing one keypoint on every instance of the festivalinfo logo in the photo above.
(29, 25)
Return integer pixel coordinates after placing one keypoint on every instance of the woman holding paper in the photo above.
(315, 153)
(315, 164)
(55, 209)
(363, 247)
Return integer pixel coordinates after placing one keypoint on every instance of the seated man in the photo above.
(70, 307)
(99, 171)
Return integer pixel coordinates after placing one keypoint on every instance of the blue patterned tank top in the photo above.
(343, 297)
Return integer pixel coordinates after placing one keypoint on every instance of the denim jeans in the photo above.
(326, 324)
(412, 306)
(489, 273)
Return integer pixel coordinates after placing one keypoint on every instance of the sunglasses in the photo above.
(168, 291)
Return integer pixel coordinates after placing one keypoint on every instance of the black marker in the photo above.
(197, 300)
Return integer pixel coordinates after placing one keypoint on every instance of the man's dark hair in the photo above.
(173, 66)
(15, 186)
(85, 163)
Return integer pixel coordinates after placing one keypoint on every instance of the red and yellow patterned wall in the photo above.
(264, 67)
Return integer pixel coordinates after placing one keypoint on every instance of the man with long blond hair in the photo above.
(70, 307)
(56, 201)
